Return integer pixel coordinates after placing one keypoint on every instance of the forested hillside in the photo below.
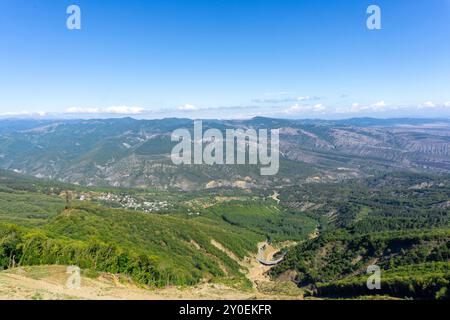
(179, 246)
(399, 222)
(132, 153)
(104, 195)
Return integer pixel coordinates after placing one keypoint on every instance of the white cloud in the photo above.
(283, 99)
(428, 104)
(356, 107)
(82, 110)
(188, 107)
(380, 104)
(319, 107)
(303, 108)
(431, 104)
(307, 98)
(124, 110)
(296, 108)
(24, 114)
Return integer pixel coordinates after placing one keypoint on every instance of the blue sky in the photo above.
(225, 59)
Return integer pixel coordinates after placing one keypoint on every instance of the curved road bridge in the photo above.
(260, 257)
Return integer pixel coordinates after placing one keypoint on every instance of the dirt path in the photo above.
(49, 283)
(256, 271)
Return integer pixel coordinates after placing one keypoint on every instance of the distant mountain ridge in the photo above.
(127, 152)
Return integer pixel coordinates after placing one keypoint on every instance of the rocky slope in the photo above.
(136, 153)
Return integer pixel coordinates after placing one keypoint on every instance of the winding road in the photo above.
(261, 256)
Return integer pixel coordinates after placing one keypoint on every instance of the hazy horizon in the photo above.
(62, 117)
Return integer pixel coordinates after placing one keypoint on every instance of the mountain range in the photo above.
(136, 153)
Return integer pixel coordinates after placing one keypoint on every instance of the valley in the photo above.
(49, 283)
(347, 196)
(129, 153)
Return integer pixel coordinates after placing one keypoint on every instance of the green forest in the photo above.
(399, 222)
